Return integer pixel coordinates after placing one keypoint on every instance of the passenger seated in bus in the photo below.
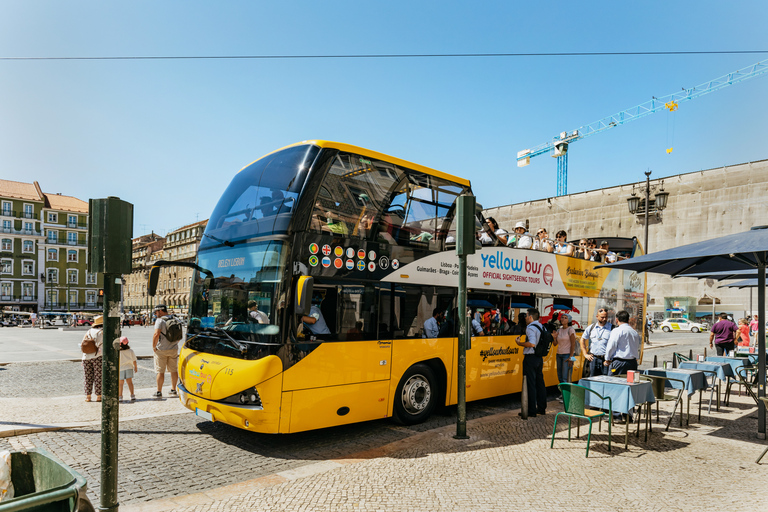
(315, 322)
(476, 328)
(432, 325)
(519, 328)
(542, 243)
(448, 327)
(514, 239)
(561, 246)
(356, 332)
(255, 315)
(494, 228)
(582, 251)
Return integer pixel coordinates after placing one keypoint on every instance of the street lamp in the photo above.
(633, 202)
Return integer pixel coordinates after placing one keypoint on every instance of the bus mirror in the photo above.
(154, 275)
(304, 287)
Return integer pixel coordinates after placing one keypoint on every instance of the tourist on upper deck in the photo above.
(513, 240)
(493, 226)
(608, 255)
(542, 243)
(594, 253)
(561, 246)
(582, 251)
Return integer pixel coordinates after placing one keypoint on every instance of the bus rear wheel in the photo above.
(416, 395)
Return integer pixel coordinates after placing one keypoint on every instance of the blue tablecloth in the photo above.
(735, 362)
(694, 379)
(723, 370)
(624, 396)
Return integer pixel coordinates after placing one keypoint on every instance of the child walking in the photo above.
(128, 366)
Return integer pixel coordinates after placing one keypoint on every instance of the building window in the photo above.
(6, 266)
(53, 217)
(28, 291)
(53, 236)
(29, 211)
(28, 268)
(28, 228)
(53, 255)
(7, 226)
(72, 276)
(90, 297)
(5, 290)
(52, 298)
(72, 221)
(90, 278)
(72, 297)
(7, 208)
(72, 255)
(29, 246)
(72, 238)
(52, 276)
(6, 244)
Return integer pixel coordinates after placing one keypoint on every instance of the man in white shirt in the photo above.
(255, 315)
(432, 325)
(533, 366)
(623, 347)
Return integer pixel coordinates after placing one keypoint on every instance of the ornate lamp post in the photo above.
(633, 202)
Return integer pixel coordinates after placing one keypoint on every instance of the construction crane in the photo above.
(558, 146)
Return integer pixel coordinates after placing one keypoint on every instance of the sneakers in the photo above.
(559, 399)
(133, 398)
(157, 394)
(172, 392)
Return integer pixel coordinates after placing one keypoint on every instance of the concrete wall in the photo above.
(702, 205)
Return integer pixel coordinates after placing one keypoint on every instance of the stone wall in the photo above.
(702, 205)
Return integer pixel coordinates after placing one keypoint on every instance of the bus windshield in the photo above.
(242, 302)
(261, 198)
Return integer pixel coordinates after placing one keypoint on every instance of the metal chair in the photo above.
(659, 385)
(679, 358)
(574, 398)
(765, 403)
(712, 388)
(738, 381)
(748, 378)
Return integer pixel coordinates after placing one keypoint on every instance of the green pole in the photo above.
(109, 403)
(461, 381)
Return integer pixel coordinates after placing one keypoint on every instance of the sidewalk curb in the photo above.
(32, 428)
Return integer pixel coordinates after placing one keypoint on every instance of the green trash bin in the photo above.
(43, 483)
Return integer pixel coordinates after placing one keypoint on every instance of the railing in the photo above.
(72, 305)
(62, 240)
(28, 232)
(18, 215)
(18, 298)
(77, 225)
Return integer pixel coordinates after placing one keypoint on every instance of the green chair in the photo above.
(660, 394)
(748, 378)
(679, 358)
(765, 403)
(574, 397)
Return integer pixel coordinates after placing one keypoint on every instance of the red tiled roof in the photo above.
(19, 190)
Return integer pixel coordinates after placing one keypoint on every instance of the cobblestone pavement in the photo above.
(507, 464)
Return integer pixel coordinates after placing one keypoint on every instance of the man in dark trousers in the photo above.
(533, 366)
(724, 335)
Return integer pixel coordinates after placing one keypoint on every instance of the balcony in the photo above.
(77, 225)
(27, 232)
(18, 298)
(62, 240)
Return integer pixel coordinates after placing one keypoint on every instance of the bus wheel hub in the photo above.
(416, 394)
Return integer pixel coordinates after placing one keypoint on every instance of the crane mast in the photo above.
(558, 146)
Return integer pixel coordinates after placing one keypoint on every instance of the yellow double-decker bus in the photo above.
(363, 244)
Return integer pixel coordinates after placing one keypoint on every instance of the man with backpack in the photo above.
(536, 347)
(165, 344)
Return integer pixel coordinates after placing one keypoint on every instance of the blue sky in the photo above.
(168, 135)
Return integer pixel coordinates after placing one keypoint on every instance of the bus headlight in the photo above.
(249, 398)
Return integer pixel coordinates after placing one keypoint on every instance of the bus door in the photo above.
(345, 379)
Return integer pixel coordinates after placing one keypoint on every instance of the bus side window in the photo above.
(357, 313)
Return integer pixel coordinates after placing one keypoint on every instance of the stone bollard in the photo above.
(655, 361)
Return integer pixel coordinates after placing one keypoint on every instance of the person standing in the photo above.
(533, 365)
(432, 325)
(166, 353)
(128, 367)
(743, 332)
(753, 325)
(724, 335)
(623, 346)
(92, 361)
(593, 343)
(565, 339)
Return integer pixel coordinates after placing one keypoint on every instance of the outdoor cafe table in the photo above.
(694, 380)
(722, 370)
(624, 397)
(735, 362)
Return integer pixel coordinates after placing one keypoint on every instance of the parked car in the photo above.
(85, 321)
(681, 324)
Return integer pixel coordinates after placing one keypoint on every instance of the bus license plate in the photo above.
(204, 414)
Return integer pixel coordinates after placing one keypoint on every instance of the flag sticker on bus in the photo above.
(361, 254)
(371, 266)
(350, 252)
(338, 251)
(326, 250)
(361, 264)
(384, 263)
(313, 260)
(313, 248)
(350, 264)
(326, 262)
(338, 263)
(371, 255)
(395, 264)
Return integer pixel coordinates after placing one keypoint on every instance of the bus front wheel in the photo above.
(416, 395)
